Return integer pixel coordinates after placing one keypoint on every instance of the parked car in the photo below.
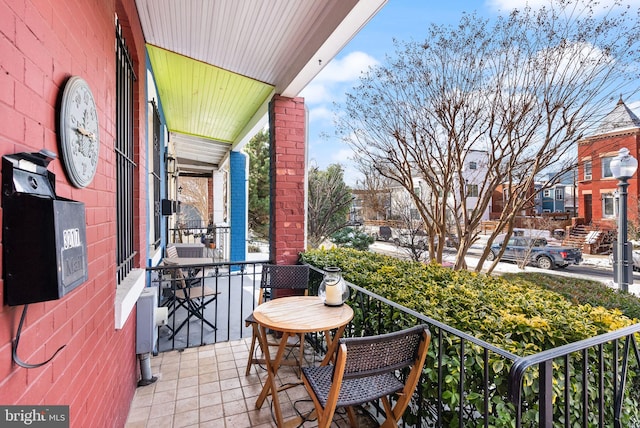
(537, 252)
(383, 234)
(636, 260)
(411, 238)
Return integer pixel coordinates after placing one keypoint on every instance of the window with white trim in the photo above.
(606, 167)
(608, 205)
(587, 170)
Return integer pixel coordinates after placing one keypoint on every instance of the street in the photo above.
(596, 268)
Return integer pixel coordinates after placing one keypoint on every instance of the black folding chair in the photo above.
(274, 278)
(190, 293)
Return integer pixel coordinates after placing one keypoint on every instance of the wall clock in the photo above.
(79, 132)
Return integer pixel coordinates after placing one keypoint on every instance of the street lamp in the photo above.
(623, 167)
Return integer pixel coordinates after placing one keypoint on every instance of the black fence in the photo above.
(469, 382)
(465, 382)
(194, 232)
(206, 303)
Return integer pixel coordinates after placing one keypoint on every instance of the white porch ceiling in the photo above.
(275, 45)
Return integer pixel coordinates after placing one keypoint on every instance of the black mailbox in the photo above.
(43, 237)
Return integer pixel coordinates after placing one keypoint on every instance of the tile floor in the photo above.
(207, 387)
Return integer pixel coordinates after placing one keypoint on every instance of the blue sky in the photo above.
(400, 19)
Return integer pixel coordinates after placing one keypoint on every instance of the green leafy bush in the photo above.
(514, 313)
(582, 291)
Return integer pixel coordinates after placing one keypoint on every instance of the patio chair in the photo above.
(190, 293)
(274, 278)
(365, 370)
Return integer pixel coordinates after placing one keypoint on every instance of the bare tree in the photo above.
(409, 234)
(330, 200)
(196, 194)
(375, 191)
(523, 89)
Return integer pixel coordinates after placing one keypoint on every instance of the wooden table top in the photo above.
(301, 314)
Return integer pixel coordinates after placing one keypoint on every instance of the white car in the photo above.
(409, 238)
(636, 259)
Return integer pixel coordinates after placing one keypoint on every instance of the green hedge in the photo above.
(581, 291)
(514, 313)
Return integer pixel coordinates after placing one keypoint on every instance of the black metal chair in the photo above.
(190, 293)
(365, 370)
(276, 278)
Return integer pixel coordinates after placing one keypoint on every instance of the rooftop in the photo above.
(621, 118)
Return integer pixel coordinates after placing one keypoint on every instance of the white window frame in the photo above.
(609, 205)
(559, 195)
(606, 167)
(588, 172)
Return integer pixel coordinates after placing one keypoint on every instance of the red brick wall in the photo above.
(596, 148)
(287, 134)
(42, 43)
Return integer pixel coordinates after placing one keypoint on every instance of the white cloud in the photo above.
(346, 69)
(315, 93)
(337, 74)
(505, 5)
(320, 113)
(342, 155)
(330, 86)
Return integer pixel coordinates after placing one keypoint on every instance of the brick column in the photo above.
(288, 166)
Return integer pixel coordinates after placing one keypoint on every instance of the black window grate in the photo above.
(155, 175)
(124, 153)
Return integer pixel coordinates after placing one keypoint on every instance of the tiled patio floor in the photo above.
(207, 387)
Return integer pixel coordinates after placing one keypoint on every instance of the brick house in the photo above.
(596, 185)
(163, 107)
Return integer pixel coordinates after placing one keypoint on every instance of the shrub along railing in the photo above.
(470, 382)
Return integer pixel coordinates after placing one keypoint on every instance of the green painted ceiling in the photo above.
(203, 100)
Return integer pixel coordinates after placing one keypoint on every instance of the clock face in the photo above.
(79, 132)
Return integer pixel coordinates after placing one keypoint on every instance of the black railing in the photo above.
(207, 303)
(469, 382)
(449, 393)
(599, 364)
(466, 381)
(194, 232)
